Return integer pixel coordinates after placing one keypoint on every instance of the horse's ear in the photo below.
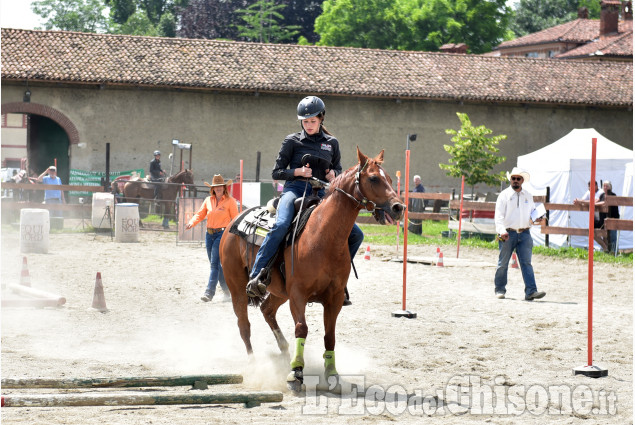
(361, 157)
(380, 158)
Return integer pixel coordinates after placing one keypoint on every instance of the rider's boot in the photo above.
(257, 286)
(347, 300)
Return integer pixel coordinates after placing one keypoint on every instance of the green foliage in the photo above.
(361, 23)
(473, 154)
(413, 24)
(71, 15)
(137, 24)
(144, 17)
(262, 23)
(536, 15)
(479, 24)
(121, 10)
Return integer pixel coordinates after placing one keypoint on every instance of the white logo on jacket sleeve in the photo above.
(326, 147)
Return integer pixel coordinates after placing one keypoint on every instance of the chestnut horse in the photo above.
(321, 257)
(134, 190)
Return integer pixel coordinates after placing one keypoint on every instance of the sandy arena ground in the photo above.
(157, 326)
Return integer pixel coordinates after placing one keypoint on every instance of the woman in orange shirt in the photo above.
(219, 208)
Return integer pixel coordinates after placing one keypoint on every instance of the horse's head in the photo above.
(373, 190)
(186, 177)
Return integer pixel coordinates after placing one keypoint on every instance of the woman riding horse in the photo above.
(322, 253)
(324, 150)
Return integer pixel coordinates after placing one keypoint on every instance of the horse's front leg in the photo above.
(331, 311)
(296, 376)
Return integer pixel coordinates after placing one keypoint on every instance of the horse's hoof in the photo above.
(295, 386)
(295, 380)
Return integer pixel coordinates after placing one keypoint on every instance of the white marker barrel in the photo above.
(35, 225)
(100, 218)
(127, 222)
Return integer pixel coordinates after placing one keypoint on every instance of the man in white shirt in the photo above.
(513, 220)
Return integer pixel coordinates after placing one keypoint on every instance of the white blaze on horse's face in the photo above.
(381, 171)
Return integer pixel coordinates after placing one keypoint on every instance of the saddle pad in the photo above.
(253, 224)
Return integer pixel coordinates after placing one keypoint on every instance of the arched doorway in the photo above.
(49, 135)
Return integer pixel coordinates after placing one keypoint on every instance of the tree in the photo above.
(360, 23)
(262, 23)
(479, 24)
(531, 16)
(413, 24)
(145, 17)
(72, 15)
(473, 154)
(209, 19)
(302, 13)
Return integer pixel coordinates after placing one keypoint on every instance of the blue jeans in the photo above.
(212, 243)
(522, 243)
(284, 217)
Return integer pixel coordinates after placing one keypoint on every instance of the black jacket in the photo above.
(296, 145)
(155, 169)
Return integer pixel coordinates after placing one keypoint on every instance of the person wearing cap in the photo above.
(156, 173)
(219, 208)
(49, 176)
(324, 150)
(513, 221)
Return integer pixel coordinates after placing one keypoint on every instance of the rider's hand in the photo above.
(330, 175)
(304, 171)
(188, 226)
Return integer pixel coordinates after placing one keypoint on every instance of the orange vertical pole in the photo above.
(458, 238)
(398, 193)
(591, 233)
(241, 186)
(405, 225)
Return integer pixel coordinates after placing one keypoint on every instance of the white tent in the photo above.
(565, 167)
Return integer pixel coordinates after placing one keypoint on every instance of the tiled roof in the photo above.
(620, 45)
(579, 31)
(69, 57)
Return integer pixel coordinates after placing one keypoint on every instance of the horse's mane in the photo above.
(337, 181)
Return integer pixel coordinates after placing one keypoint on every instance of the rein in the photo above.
(364, 202)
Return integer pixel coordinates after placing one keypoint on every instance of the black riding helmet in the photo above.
(310, 106)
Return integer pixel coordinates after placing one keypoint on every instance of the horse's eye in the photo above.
(373, 179)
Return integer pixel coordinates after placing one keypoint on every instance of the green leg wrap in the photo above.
(329, 363)
(298, 358)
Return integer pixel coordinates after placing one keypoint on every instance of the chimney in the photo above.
(454, 48)
(627, 11)
(583, 13)
(609, 16)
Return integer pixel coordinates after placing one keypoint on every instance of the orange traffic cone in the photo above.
(99, 300)
(514, 261)
(440, 260)
(25, 279)
(367, 255)
(438, 252)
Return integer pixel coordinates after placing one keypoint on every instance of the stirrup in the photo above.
(257, 286)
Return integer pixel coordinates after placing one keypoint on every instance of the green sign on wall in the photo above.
(93, 178)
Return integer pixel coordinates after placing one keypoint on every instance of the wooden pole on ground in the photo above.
(125, 382)
(51, 400)
(38, 293)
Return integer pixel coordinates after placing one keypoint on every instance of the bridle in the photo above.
(364, 203)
